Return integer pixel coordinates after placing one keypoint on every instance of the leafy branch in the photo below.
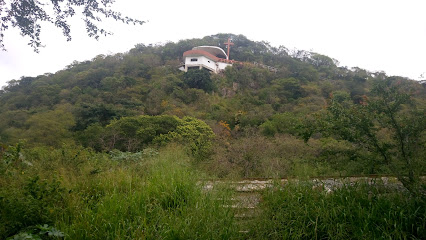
(26, 15)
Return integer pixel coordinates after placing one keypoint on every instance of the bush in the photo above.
(257, 156)
(132, 134)
(38, 232)
(199, 79)
(193, 133)
(36, 203)
(281, 123)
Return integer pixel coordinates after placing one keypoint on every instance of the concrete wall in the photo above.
(222, 65)
(201, 61)
(204, 62)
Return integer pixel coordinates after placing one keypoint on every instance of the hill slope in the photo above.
(244, 105)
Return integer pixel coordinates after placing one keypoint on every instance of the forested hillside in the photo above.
(259, 118)
(124, 147)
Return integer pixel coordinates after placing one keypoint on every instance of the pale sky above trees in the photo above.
(379, 35)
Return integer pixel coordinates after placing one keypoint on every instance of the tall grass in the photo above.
(165, 203)
(297, 211)
(158, 195)
(151, 197)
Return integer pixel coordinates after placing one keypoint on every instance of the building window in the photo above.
(194, 59)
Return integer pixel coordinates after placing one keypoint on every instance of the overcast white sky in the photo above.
(378, 35)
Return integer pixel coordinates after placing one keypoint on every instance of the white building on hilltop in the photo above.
(211, 58)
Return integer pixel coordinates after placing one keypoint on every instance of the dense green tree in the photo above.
(281, 123)
(193, 133)
(200, 79)
(87, 114)
(387, 125)
(288, 88)
(133, 133)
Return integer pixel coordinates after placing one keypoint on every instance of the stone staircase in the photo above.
(246, 198)
(247, 193)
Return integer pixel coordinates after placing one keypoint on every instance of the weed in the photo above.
(38, 232)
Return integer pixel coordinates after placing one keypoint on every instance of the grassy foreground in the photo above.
(88, 195)
(75, 193)
(360, 211)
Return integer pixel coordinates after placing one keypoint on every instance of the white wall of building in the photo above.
(206, 63)
(222, 65)
(201, 61)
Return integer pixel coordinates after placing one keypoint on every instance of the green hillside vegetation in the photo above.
(77, 145)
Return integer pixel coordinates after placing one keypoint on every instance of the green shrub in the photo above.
(38, 232)
(269, 129)
(199, 79)
(38, 202)
(193, 133)
(133, 133)
(281, 123)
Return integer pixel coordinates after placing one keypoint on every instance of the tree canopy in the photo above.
(386, 128)
(26, 15)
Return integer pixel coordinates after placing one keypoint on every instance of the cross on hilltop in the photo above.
(228, 46)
